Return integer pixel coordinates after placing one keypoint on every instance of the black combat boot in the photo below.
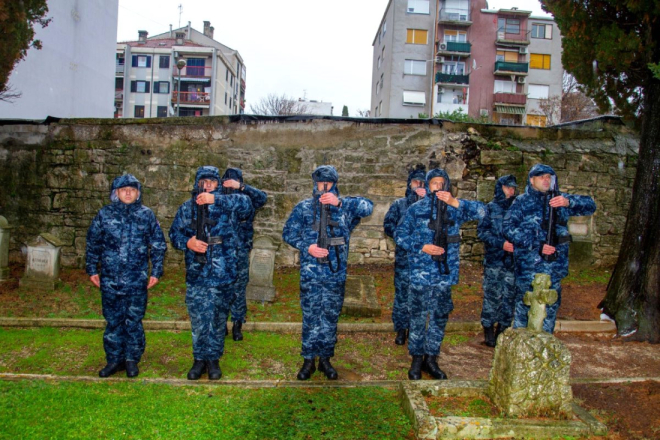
(430, 366)
(213, 368)
(132, 369)
(489, 336)
(500, 329)
(326, 368)
(401, 336)
(112, 368)
(308, 368)
(415, 372)
(236, 333)
(198, 368)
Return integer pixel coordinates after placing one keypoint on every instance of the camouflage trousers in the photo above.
(123, 338)
(321, 303)
(401, 308)
(208, 308)
(499, 297)
(239, 303)
(429, 312)
(520, 317)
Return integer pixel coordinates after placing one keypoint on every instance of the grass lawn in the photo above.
(52, 409)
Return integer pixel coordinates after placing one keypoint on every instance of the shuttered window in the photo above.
(417, 36)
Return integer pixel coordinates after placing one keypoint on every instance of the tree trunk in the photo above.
(633, 293)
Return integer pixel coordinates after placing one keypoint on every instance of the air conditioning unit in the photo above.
(441, 90)
(521, 80)
(443, 46)
(440, 60)
(483, 112)
(523, 50)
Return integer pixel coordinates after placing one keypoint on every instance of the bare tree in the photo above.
(9, 94)
(363, 113)
(273, 105)
(573, 103)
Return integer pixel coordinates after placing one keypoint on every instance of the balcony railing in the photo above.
(119, 68)
(449, 78)
(506, 66)
(510, 98)
(119, 94)
(454, 46)
(192, 97)
(455, 15)
(193, 71)
(522, 36)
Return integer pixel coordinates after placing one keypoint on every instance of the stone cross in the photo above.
(4, 248)
(541, 296)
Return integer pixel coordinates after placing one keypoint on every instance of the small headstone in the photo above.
(530, 376)
(360, 296)
(42, 270)
(262, 264)
(4, 248)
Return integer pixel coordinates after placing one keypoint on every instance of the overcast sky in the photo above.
(318, 49)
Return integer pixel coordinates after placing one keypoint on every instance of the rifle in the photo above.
(324, 241)
(201, 218)
(440, 227)
(549, 224)
(507, 259)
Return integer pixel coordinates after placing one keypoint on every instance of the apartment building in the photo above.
(182, 72)
(495, 64)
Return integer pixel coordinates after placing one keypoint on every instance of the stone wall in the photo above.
(54, 178)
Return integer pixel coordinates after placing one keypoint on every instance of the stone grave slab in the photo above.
(360, 297)
(42, 269)
(262, 264)
(5, 231)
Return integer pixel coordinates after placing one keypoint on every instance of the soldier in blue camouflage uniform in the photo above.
(498, 285)
(322, 285)
(209, 291)
(123, 237)
(232, 182)
(523, 226)
(415, 190)
(430, 286)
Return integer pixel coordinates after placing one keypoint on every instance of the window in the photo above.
(227, 75)
(225, 98)
(162, 111)
(414, 67)
(508, 25)
(230, 104)
(140, 86)
(384, 28)
(453, 68)
(380, 108)
(377, 87)
(536, 120)
(382, 54)
(504, 86)
(231, 81)
(195, 66)
(539, 61)
(139, 111)
(119, 83)
(508, 56)
(538, 91)
(164, 62)
(141, 61)
(382, 80)
(542, 31)
(161, 87)
(417, 36)
(418, 6)
(414, 98)
(455, 36)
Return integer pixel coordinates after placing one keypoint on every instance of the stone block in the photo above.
(500, 157)
(360, 296)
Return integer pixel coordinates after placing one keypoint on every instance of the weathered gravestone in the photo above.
(262, 263)
(4, 248)
(42, 270)
(360, 296)
(530, 373)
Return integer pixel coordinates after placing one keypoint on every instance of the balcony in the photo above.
(192, 97)
(119, 69)
(119, 94)
(455, 16)
(193, 72)
(520, 38)
(453, 48)
(508, 68)
(450, 78)
(510, 103)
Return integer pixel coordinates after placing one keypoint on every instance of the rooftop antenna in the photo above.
(180, 12)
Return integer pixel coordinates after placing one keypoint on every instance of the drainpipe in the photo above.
(151, 87)
(128, 64)
(214, 63)
(435, 35)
